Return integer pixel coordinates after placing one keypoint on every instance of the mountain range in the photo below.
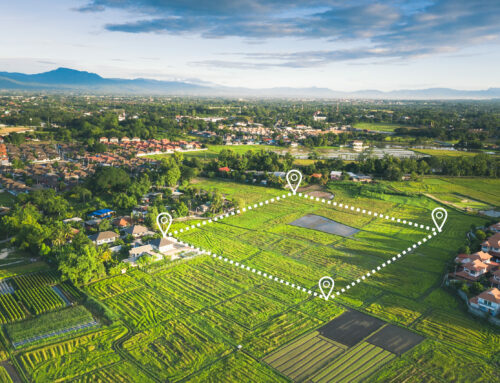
(75, 81)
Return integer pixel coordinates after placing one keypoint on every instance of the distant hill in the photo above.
(71, 80)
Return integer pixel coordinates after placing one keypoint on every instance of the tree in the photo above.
(109, 179)
(182, 210)
(81, 265)
(173, 175)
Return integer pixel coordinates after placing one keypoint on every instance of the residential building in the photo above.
(136, 252)
(335, 175)
(492, 245)
(488, 301)
(495, 228)
(137, 231)
(104, 237)
(162, 244)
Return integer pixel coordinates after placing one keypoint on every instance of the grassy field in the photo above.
(479, 193)
(445, 153)
(380, 127)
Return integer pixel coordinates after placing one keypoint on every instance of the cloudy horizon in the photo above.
(340, 45)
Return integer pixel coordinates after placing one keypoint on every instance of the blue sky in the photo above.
(343, 45)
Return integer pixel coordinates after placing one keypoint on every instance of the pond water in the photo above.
(317, 222)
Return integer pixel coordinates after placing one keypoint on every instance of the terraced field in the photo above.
(304, 357)
(355, 365)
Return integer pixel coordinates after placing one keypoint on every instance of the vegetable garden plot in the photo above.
(395, 339)
(351, 327)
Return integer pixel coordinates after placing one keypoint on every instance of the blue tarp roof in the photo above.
(102, 212)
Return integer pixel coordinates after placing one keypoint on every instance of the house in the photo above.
(495, 279)
(113, 140)
(473, 270)
(122, 222)
(357, 145)
(162, 245)
(104, 237)
(102, 213)
(488, 301)
(103, 140)
(136, 252)
(224, 169)
(492, 245)
(335, 175)
(316, 175)
(137, 231)
(479, 256)
(125, 140)
(495, 228)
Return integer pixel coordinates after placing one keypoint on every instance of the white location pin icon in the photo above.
(164, 220)
(326, 285)
(439, 216)
(294, 178)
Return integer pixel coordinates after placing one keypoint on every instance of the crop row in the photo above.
(73, 357)
(10, 310)
(176, 349)
(110, 287)
(354, 365)
(29, 281)
(40, 300)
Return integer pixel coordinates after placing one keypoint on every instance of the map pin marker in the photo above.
(294, 178)
(326, 286)
(164, 220)
(439, 216)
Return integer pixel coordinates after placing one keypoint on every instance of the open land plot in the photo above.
(237, 367)
(175, 350)
(380, 126)
(395, 339)
(48, 323)
(316, 222)
(122, 372)
(433, 361)
(305, 356)
(71, 358)
(462, 331)
(354, 365)
(455, 189)
(350, 328)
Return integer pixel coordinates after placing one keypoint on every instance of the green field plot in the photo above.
(246, 194)
(48, 323)
(71, 358)
(279, 331)
(316, 308)
(30, 281)
(400, 370)
(237, 367)
(175, 350)
(396, 309)
(221, 245)
(380, 126)
(456, 190)
(250, 309)
(144, 308)
(110, 287)
(305, 356)
(354, 365)
(435, 362)
(12, 271)
(4, 375)
(123, 372)
(10, 309)
(40, 299)
(461, 330)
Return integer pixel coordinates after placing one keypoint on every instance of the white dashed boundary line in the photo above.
(328, 202)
